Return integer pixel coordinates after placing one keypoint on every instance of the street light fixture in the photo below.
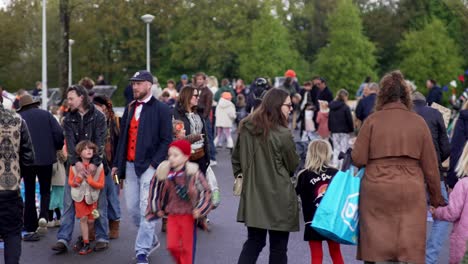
(70, 43)
(44, 56)
(147, 19)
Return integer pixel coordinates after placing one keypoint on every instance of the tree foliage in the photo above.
(349, 55)
(430, 53)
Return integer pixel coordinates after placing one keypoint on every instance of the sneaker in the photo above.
(101, 246)
(31, 237)
(51, 224)
(85, 250)
(60, 247)
(57, 223)
(42, 229)
(154, 247)
(142, 259)
(213, 163)
(78, 244)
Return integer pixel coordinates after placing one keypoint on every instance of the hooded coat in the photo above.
(340, 119)
(268, 199)
(225, 113)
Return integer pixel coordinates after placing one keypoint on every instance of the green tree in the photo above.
(269, 51)
(430, 53)
(349, 56)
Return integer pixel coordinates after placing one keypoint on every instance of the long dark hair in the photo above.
(393, 88)
(268, 116)
(81, 91)
(185, 96)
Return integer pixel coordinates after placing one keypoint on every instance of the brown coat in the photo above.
(396, 147)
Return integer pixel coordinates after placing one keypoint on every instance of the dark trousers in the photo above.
(12, 250)
(256, 241)
(44, 174)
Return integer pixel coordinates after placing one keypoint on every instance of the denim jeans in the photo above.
(439, 234)
(136, 191)
(211, 145)
(113, 203)
(67, 224)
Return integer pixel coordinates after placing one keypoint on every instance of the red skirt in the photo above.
(83, 209)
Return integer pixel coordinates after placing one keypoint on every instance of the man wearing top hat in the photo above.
(47, 138)
(145, 134)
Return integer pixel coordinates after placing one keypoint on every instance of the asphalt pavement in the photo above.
(220, 246)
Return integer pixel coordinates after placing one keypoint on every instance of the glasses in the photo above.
(288, 105)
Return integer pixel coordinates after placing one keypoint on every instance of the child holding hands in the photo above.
(457, 211)
(85, 191)
(312, 183)
(185, 197)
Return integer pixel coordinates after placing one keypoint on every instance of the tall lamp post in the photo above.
(44, 56)
(70, 43)
(147, 19)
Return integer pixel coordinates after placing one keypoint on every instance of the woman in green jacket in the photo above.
(265, 154)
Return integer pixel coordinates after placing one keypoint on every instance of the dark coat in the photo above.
(436, 125)
(46, 135)
(91, 126)
(459, 139)
(395, 145)
(434, 96)
(153, 139)
(365, 106)
(268, 199)
(179, 114)
(325, 95)
(340, 119)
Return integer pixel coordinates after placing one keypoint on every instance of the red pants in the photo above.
(180, 238)
(317, 253)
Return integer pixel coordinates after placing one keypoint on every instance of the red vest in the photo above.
(132, 138)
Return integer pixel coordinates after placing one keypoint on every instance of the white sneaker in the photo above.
(51, 224)
(42, 229)
(213, 163)
(57, 223)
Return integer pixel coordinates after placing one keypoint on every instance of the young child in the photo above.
(85, 191)
(309, 126)
(225, 117)
(57, 190)
(457, 211)
(322, 120)
(185, 197)
(311, 185)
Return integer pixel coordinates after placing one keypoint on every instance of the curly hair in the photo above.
(393, 88)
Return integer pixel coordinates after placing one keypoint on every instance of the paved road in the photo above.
(221, 246)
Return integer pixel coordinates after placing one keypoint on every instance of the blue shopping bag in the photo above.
(337, 217)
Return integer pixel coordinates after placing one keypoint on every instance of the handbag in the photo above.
(337, 217)
(197, 154)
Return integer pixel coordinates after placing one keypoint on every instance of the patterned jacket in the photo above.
(15, 149)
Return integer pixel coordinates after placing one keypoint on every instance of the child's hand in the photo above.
(432, 210)
(196, 213)
(160, 214)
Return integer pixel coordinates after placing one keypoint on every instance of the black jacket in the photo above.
(179, 114)
(434, 96)
(459, 139)
(325, 95)
(92, 126)
(340, 119)
(365, 106)
(46, 134)
(153, 139)
(436, 125)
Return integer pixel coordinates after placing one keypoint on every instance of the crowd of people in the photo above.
(86, 155)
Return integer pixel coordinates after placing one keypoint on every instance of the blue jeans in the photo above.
(136, 191)
(439, 234)
(212, 147)
(101, 225)
(113, 203)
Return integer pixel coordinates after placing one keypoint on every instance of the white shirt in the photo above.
(140, 107)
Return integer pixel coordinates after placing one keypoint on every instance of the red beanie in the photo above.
(290, 73)
(183, 145)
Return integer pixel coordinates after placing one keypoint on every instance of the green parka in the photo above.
(268, 198)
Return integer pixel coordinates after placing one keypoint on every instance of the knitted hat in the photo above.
(227, 96)
(183, 145)
(290, 73)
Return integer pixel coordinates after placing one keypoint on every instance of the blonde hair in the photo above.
(462, 166)
(319, 155)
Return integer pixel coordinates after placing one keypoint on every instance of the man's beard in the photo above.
(142, 95)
